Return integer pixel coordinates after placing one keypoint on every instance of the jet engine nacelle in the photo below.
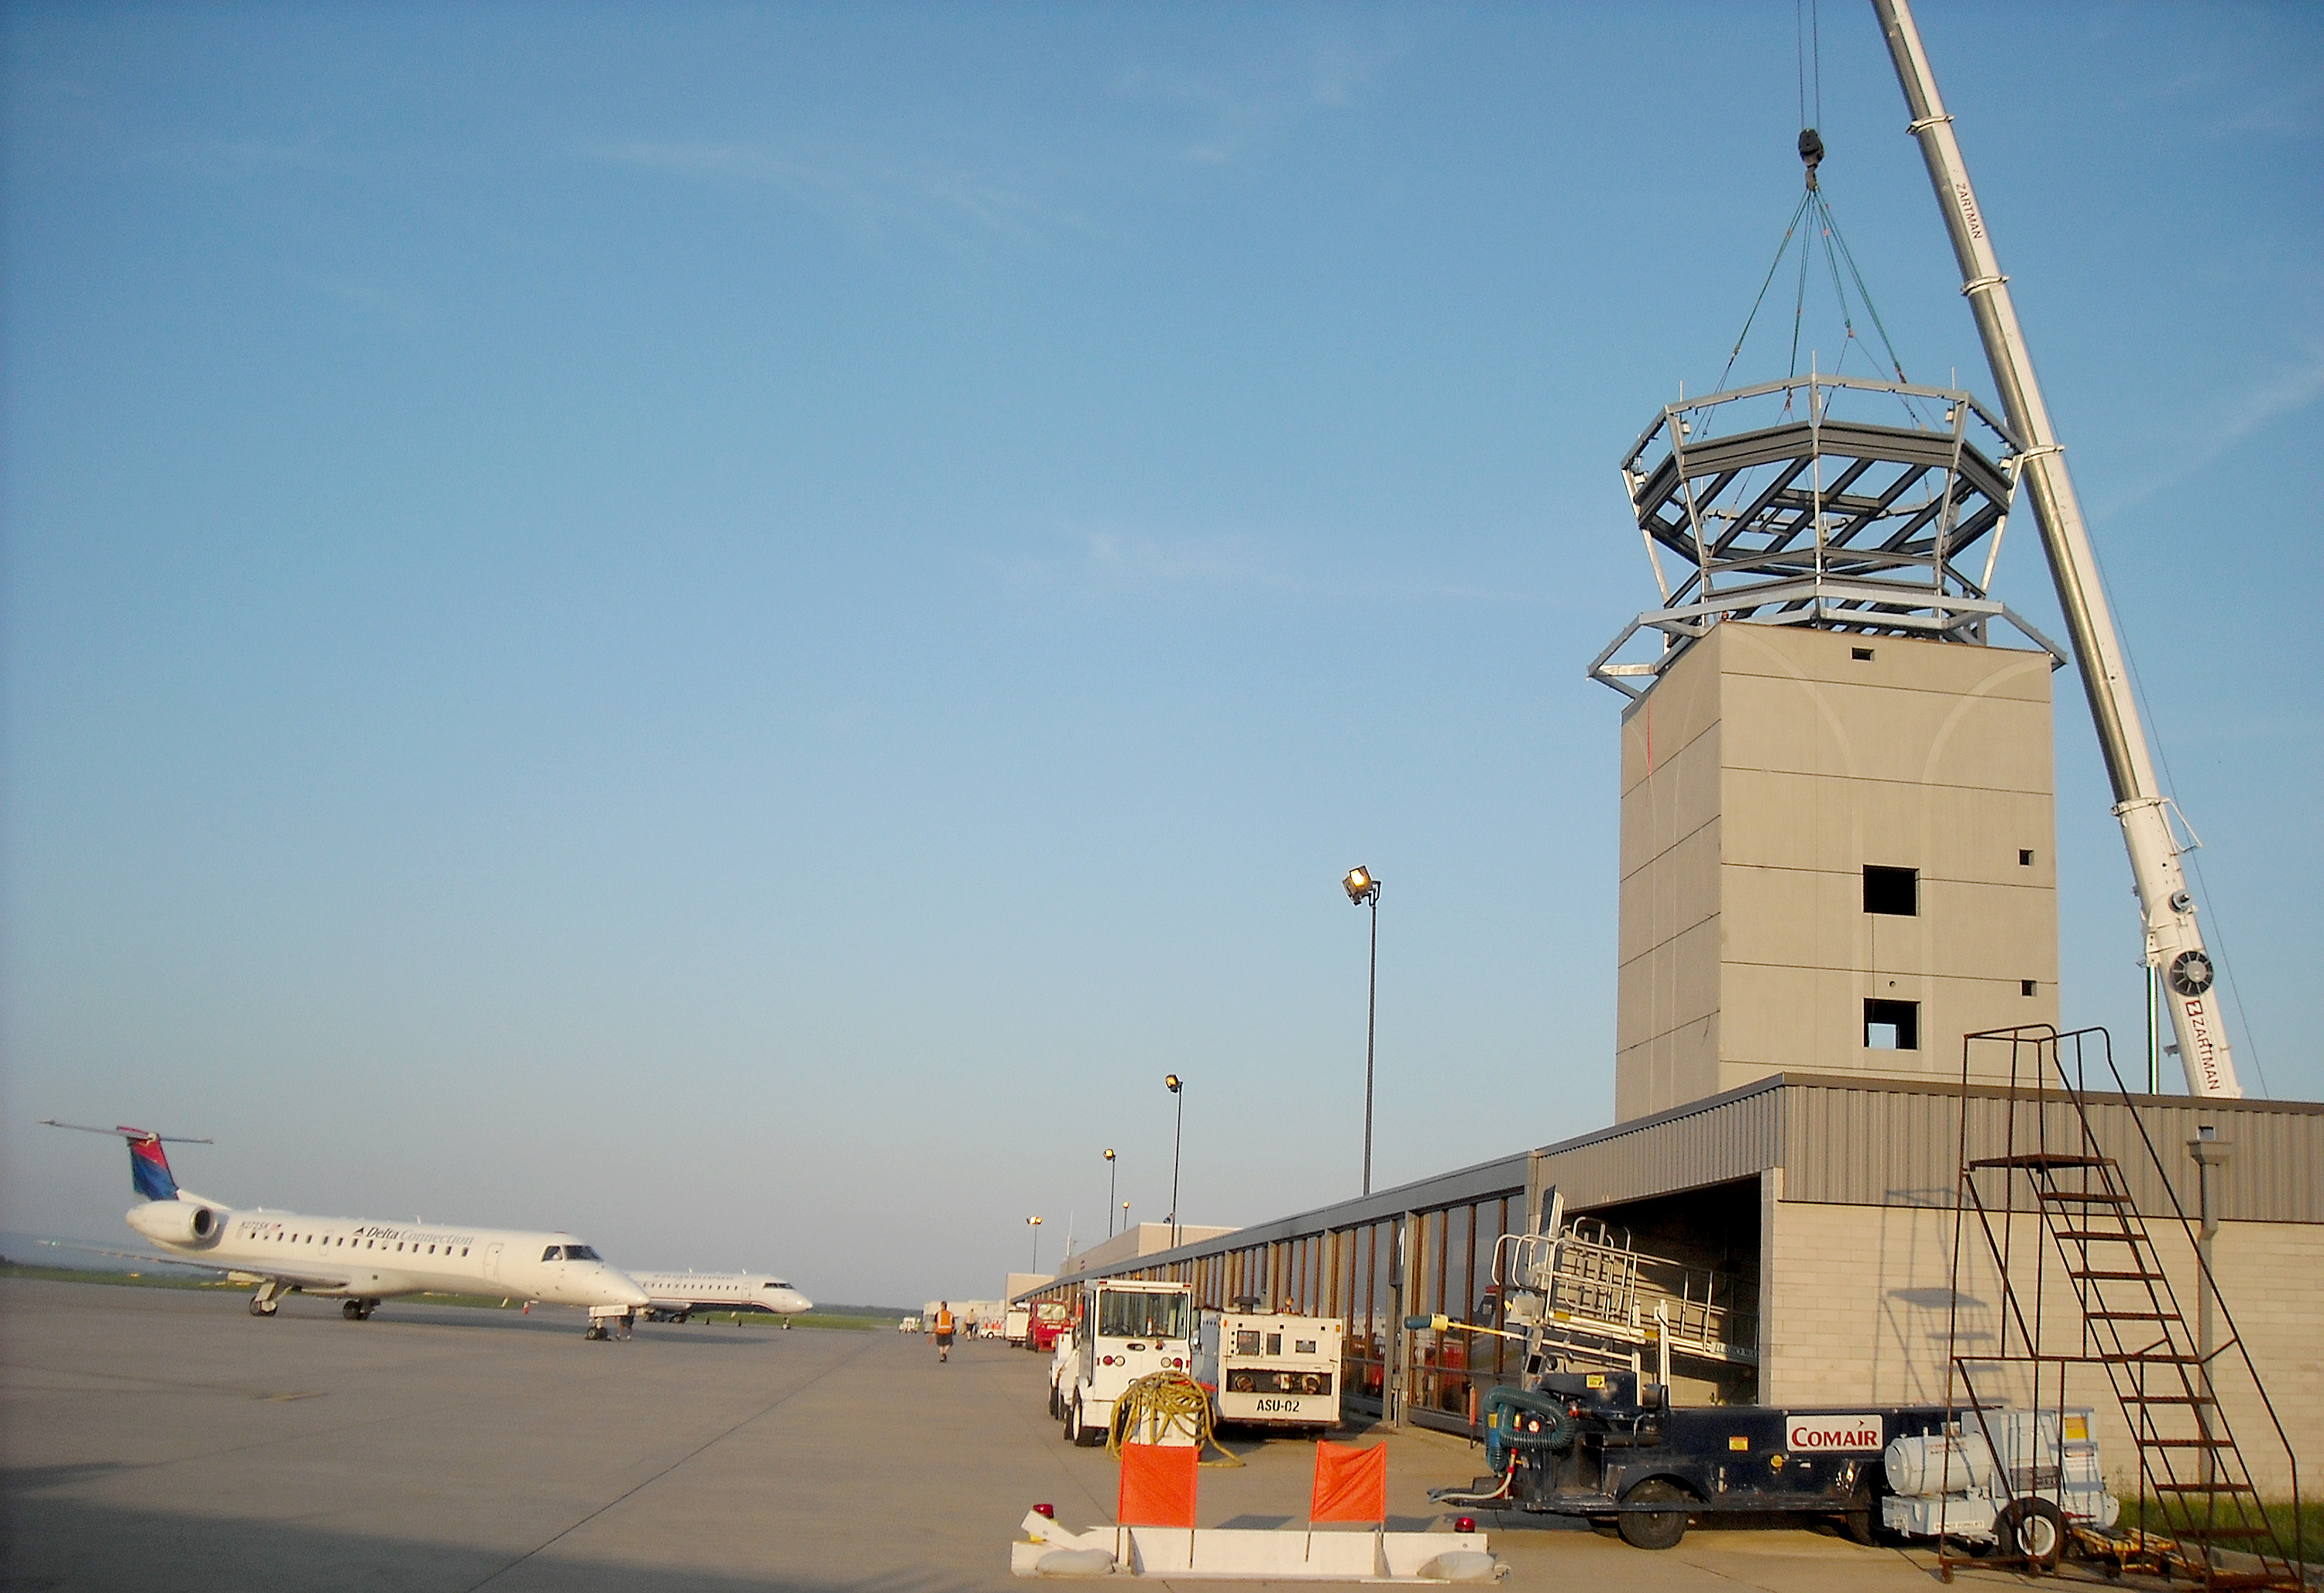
(178, 1223)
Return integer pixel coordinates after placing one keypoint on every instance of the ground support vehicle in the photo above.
(1588, 1444)
(1017, 1325)
(1267, 1369)
(1052, 1321)
(2021, 1481)
(1122, 1330)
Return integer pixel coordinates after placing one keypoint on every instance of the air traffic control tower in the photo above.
(1837, 804)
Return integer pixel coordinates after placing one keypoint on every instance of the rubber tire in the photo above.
(1656, 1529)
(2035, 1530)
(265, 1307)
(353, 1311)
(1861, 1523)
(1084, 1436)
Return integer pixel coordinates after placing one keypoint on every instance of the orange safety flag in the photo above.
(1350, 1484)
(1157, 1484)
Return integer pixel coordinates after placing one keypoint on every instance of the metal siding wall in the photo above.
(1736, 1138)
(1871, 1146)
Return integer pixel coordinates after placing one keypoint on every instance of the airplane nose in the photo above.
(626, 1293)
(801, 1303)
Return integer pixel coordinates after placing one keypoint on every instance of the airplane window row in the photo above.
(328, 1240)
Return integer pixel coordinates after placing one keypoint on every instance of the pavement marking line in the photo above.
(716, 1438)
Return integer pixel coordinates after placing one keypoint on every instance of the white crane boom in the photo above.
(2174, 944)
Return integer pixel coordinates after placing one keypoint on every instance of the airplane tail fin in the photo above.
(148, 1163)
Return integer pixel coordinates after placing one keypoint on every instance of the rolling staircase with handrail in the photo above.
(2047, 1166)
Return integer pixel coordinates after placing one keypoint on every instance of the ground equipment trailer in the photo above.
(1122, 1330)
(1587, 1444)
(1267, 1369)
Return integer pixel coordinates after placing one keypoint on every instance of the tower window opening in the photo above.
(2024, 857)
(1862, 655)
(1894, 891)
(1892, 1026)
(2028, 986)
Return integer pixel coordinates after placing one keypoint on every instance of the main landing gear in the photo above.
(359, 1310)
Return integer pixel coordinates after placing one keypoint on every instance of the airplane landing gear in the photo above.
(359, 1310)
(596, 1329)
(265, 1302)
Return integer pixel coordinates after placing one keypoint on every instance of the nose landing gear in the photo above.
(267, 1300)
(359, 1310)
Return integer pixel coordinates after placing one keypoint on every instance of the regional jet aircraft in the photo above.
(357, 1261)
(676, 1295)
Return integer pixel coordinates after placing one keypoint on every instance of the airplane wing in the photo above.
(305, 1280)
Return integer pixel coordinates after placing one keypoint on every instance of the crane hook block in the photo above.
(1811, 151)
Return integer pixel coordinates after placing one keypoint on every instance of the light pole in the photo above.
(1176, 1086)
(1113, 1188)
(1035, 1224)
(1125, 1216)
(1363, 890)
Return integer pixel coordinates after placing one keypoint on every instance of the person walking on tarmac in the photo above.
(942, 1333)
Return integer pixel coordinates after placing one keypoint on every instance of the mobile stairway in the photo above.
(1584, 1294)
(2059, 1218)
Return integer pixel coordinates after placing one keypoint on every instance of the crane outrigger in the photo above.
(2174, 941)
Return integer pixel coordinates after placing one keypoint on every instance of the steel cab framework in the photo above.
(1267, 1369)
(1831, 501)
(1122, 1330)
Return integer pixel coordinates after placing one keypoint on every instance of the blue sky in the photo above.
(733, 626)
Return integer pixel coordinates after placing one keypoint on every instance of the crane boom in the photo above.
(2174, 944)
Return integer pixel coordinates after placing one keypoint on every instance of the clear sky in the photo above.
(730, 627)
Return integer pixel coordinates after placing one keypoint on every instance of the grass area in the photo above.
(2303, 1534)
(90, 1274)
(845, 1318)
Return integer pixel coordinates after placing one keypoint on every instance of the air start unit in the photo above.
(1266, 1370)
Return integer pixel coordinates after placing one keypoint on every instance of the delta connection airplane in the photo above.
(358, 1261)
(676, 1296)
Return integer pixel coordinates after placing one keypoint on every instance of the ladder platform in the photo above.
(2094, 1197)
(2134, 1316)
(2114, 1234)
(2132, 1396)
(2183, 1444)
(2150, 1357)
(2042, 1161)
(2151, 1277)
(2201, 1487)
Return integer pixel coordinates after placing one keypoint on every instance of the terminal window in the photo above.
(1892, 1026)
(1894, 891)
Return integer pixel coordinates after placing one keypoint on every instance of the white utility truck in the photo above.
(1016, 1324)
(1268, 1369)
(1122, 1330)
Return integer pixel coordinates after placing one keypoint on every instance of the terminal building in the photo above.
(1837, 862)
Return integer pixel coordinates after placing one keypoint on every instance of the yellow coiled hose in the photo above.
(1163, 1398)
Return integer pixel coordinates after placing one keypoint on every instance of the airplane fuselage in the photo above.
(681, 1293)
(360, 1258)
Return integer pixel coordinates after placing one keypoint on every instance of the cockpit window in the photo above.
(554, 1253)
(778, 1286)
(580, 1253)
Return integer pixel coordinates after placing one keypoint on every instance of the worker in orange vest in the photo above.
(944, 1329)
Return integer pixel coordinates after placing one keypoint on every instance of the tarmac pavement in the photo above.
(166, 1440)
